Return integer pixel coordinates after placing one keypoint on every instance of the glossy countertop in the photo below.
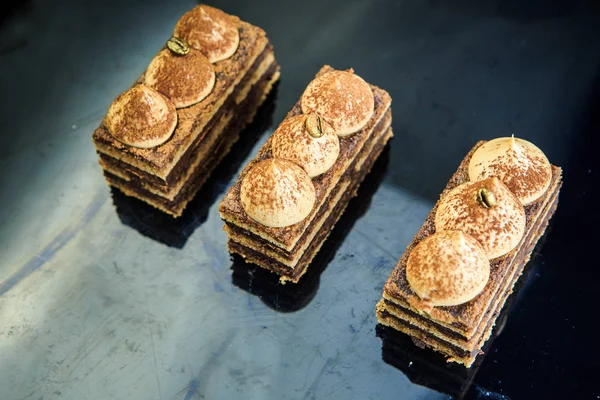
(102, 297)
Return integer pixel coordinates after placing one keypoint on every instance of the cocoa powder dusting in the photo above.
(184, 79)
(139, 115)
(341, 98)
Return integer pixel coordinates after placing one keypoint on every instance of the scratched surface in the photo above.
(102, 298)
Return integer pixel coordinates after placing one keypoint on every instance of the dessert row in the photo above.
(163, 137)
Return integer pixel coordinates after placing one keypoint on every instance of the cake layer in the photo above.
(286, 238)
(204, 148)
(509, 266)
(214, 151)
(447, 341)
(291, 258)
(161, 160)
(348, 187)
(464, 318)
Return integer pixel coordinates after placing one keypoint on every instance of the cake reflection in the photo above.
(174, 232)
(292, 297)
(428, 368)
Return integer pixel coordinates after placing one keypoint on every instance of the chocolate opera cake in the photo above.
(454, 278)
(162, 138)
(289, 197)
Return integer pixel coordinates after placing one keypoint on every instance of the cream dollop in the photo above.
(342, 98)
(186, 80)
(521, 165)
(498, 227)
(315, 154)
(209, 30)
(277, 193)
(447, 268)
(141, 117)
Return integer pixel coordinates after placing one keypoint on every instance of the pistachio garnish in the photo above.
(314, 126)
(178, 46)
(486, 198)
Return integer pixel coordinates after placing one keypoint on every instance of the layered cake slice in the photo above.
(161, 139)
(455, 276)
(289, 197)
(427, 368)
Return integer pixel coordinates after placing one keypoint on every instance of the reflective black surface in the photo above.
(101, 297)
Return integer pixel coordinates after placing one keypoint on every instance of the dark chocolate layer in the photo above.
(455, 351)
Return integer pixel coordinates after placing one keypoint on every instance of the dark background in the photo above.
(458, 72)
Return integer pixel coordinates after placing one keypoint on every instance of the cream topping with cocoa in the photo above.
(447, 268)
(277, 193)
(308, 141)
(185, 79)
(521, 165)
(210, 31)
(141, 117)
(488, 211)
